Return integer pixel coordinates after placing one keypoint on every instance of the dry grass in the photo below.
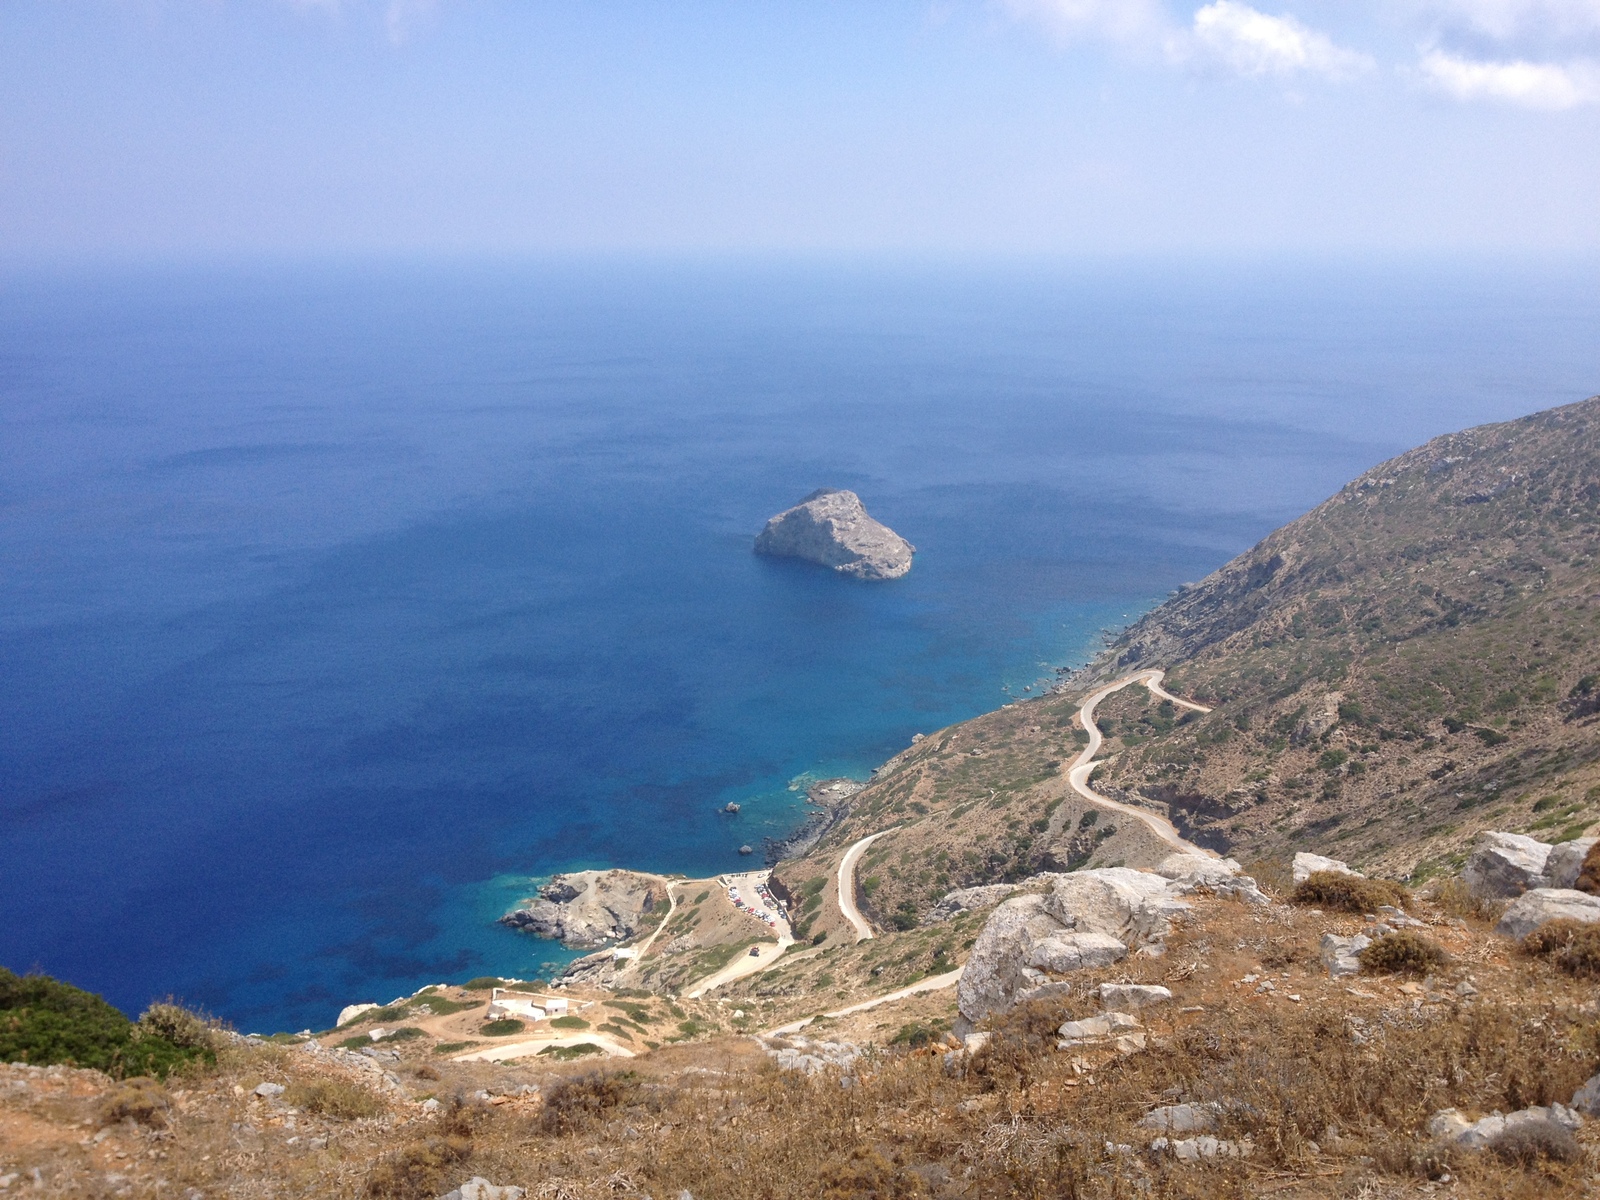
(1574, 946)
(140, 1099)
(1403, 953)
(333, 1098)
(1589, 872)
(1338, 892)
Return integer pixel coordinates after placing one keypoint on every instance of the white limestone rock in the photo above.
(1307, 865)
(1587, 1098)
(1221, 876)
(953, 904)
(1534, 908)
(479, 1188)
(1504, 865)
(351, 1011)
(1341, 954)
(1125, 997)
(831, 527)
(1449, 1125)
(1181, 1118)
(1566, 858)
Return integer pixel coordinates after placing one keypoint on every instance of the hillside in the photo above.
(1412, 661)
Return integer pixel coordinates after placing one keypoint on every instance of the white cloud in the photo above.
(1254, 43)
(1527, 84)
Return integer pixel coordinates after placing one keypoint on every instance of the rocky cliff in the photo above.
(590, 908)
(831, 527)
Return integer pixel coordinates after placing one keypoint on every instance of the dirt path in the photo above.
(528, 1048)
(1079, 770)
(766, 953)
(637, 953)
(932, 984)
(847, 884)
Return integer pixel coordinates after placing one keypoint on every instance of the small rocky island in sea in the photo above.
(831, 527)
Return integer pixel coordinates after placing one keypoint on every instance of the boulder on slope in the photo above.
(1307, 865)
(1504, 865)
(1540, 905)
(831, 527)
(1565, 861)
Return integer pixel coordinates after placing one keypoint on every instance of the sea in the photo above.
(341, 602)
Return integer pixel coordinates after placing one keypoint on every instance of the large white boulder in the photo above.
(1307, 865)
(1075, 952)
(993, 974)
(1504, 865)
(1125, 997)
(1221, 876)
(1566, 858)
(1587, 1098)
(1534, 908)
(1342, 955)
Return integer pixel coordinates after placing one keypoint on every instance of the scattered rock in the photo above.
(1126, 996)
(1197, 1148)
(747, 849)
(431, 1105)
(1220, 876)
(1587, 1098)
(1504, 865)
(1307, 865)
(478, 1188)
(270, 1091)
(1181, 1118)
(1533, 908)
(831, 527)
(953, 904)
(1450, 1126)
(1121, 1030)
(804, 1055)
(1565, 861)
(1341, 955)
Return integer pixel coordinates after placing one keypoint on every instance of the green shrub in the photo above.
(1403, 953)
(1574, 946)
(1349, 893)
(451, 1047)
(570, 1022)
(502, 1027)
(44, 1021)
(568, 1053)
(483, 983)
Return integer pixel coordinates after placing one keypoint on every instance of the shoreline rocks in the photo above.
(585, 909)
(831, 527)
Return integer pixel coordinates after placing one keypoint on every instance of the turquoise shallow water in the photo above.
(337, 602)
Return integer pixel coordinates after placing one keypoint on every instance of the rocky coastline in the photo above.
(831, 798)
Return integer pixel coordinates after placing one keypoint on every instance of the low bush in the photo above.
(1403, 953)
(571, 1053)
(570, 1023)
(1535, 1142)
(1338, 892)
(418, 1170)
(503, 1027)
(483, 983)
(45, 1021)
(139, 1099)
(451, 1047)
(574, 1103)
(1589, 872)
(1574, 946)
(333, 1098)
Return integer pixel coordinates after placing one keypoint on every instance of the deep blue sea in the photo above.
(338, 601)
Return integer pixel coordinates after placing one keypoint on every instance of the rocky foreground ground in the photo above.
(1240, 1040)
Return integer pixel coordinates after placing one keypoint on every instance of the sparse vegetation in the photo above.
(1403, 953)
(1338, 892)
(43, 1021)
(1571, 945)
(504, 1027)
(333, 1098)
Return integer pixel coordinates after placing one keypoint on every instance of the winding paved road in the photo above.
(847, 884)
(1080, 768)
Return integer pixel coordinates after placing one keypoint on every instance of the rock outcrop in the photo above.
(1307, 865)
(953, 904)
(1540, 905)
(1086, 919)
(590, 908)
(1566, 861)
(1504, 865)
(831, 527)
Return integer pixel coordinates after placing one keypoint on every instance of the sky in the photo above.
(195, 128)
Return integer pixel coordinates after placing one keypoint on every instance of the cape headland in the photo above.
(831, 527)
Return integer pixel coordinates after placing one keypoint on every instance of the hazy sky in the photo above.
(962, 126)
